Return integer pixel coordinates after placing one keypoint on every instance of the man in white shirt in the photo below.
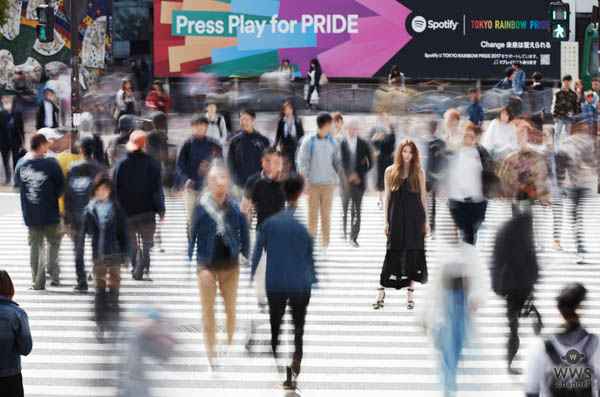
(217, 128)
(47, 114)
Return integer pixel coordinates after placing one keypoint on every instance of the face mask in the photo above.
(7, 106)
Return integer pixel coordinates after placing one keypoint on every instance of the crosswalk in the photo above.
(350, 349)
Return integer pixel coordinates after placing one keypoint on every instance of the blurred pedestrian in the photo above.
(396, 78)
(500, 138)
(78, 189)
(245, 150)
(22, 91)
(157, 145)
(320, 163)
(286, 70)
(41, 182)
(136, 72)
(87, 128)
(116, 149)
(289, 133)
(16, 339)
(290, 270)
(124, 100)
(456, 293)
(452, 135)
(220, 231)
(158, 98)
(193, 161)
(519, 80)
(105, 221)
(139, 192)
(217, 127)
(564, 108)
(474, 110)
(151, 338)
(507, 82)
(580, 91)
(263, 193)
(314, 79)
(339, 128)
(536, 93)
(12, 135)
(384, 140)
(65, 158)
(576, 158)
(357, 159)
(406, 224)
(589, 114)
(514, 272)
(567, 363)
(48, 111)
(525, 172)
(467, 184)
(437, 162)
(56, 141)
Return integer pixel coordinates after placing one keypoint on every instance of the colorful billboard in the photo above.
(352, 38)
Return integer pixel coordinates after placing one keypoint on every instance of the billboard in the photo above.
(353, 38)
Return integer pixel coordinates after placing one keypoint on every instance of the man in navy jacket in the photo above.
(41, 183)
(290, 271)
(139, 192)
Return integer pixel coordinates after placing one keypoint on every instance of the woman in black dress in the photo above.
(289, 133)
(384, 140)
(406, 224)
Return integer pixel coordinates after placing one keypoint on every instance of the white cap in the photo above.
(51, 134)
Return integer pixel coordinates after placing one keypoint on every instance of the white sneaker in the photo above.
(324, 250)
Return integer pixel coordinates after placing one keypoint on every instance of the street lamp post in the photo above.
(74, 28)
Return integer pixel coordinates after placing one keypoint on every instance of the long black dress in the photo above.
(405, 257)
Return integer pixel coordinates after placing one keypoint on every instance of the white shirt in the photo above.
(312, 77)
(48, 112)
(464, 177)
(500, 139)
(352, 142)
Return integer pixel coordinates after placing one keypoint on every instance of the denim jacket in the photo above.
(15, 337)
(204, 231)
(109, 240)
(289, 248)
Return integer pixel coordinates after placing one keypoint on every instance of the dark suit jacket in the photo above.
(40, 116)
(19, 137)
(288, 145)
(364, 160)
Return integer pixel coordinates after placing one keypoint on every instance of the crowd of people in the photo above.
(70, 185)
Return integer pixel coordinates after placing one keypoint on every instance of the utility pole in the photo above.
(596, 22)
(74, 28)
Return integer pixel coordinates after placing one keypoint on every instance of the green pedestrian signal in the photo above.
(558, 32)
(559, 23)
(45, 26)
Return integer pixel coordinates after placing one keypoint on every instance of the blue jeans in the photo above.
(451, 337)
(561, 124)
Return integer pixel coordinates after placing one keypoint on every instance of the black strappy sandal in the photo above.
(378, 304)
(410, 304)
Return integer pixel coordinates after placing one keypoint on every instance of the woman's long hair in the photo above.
(414, 171)
(314, 61)
(286, 104)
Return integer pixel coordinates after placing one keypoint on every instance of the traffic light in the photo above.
(45, 27)
(559, 21)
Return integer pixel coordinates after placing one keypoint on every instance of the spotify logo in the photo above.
(419, 24)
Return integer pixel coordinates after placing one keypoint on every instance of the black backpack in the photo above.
(571, 375)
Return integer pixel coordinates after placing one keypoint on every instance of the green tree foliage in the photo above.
(4, 4)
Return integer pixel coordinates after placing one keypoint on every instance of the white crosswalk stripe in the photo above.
(350, 349)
